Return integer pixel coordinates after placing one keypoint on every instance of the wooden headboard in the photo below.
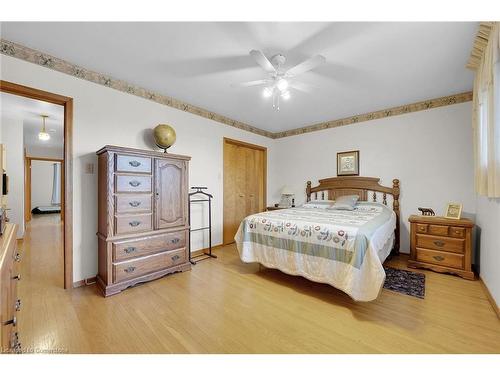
(367, 188)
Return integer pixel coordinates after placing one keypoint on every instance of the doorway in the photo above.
(245, 184)
(66, 197)
(43, 187)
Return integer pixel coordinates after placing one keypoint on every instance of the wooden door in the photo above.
(244, 184)
(170, 193)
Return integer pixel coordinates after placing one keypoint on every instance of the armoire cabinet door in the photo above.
(170, 193)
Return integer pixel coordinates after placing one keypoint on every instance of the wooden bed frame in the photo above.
(362, 186)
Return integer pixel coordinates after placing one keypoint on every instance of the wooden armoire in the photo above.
(143, 216)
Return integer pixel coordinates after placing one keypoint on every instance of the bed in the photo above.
(345, 249)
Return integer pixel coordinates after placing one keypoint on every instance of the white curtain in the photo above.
(486, 118)
(56, 185)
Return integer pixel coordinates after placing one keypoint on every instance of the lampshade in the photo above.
(287, 191)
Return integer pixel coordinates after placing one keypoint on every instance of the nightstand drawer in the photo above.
(440, 258)
(422, 228)
(438, 230)
(454, 245)
(457, 232)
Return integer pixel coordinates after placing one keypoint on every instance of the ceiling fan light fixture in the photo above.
(282, 84)
(43, 135)
(267, 93)
(285, 95)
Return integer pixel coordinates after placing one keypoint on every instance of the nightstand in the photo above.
(441, 244)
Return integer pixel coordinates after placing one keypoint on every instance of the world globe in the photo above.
(164, 136)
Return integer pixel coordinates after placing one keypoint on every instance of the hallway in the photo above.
(42, 276)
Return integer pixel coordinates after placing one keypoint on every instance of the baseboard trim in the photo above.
(493, 303)
(85, 282)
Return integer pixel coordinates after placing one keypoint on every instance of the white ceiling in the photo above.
(370, 66)
(28, 111)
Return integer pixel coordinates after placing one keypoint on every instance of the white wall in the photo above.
(105, 116)
(45, 152)
(430, 152)
(488, 228)
(12, 138)
(42, 178)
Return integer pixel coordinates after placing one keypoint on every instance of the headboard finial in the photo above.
(308, 190)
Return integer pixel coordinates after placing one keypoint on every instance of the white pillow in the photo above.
(346, 202)
(324, 204)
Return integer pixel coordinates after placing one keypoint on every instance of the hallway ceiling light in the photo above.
(43, 135)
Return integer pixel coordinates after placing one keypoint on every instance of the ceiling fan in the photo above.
(280, 81)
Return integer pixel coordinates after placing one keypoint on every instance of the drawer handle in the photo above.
(17, 306)
(134, 163)
(134, 223)
(134, 183)
(175, 257)
(439, 258)
(17, 258)
(458, 232)
(129, 269)
(13, 321)
(130, 249)
(422, 229)
(175, 240)
(134, 203)
(18, 277)
(439, 243)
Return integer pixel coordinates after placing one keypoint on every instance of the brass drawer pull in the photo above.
(439, 243)
(129, 269)
(134, 223)
(130, 249)
(13, 321)
(134, 163)
(175, 257)
(175, 240)
(439, 258)
(422, 229)
(17, 258)
(134, 203)
(18, 277)
(134, 183)
(17, 306)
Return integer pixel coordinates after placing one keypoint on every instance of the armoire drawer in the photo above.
(142, 266)
(133, 223)
(132, 184)
(130, 203)
(131, 163)
(146, 246)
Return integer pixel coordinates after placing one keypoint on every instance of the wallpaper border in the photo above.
(389, 112)
(36, 57)
(21, 52)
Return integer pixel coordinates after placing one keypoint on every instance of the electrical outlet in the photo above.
(89, 168)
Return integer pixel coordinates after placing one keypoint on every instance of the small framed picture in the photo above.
(348, 163)
(453, 211)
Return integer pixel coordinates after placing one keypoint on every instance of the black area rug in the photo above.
(406, 282)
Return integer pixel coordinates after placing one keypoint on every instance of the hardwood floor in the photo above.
(225, 306)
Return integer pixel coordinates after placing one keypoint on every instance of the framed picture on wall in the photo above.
(348, 163)
(453, 211)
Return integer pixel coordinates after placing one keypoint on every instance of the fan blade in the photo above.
(304, 87)
(305, 66)
(251, 83)
(262, 60)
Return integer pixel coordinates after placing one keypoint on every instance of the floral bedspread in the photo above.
(330, 246)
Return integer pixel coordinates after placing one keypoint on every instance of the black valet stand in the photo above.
(207, 198)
